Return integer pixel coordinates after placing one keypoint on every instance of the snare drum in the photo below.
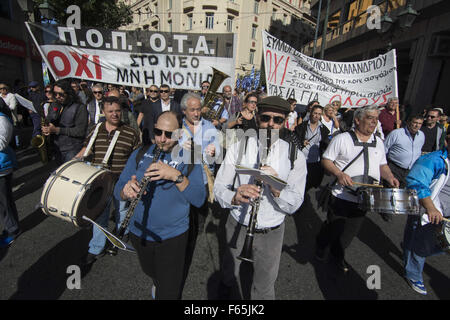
(443, 236)
(76, 189)
(385, 200)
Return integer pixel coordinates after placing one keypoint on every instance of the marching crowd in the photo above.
(164, 136)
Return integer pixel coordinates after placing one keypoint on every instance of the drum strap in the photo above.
(110, 148)
(92, 140)
(365, 146)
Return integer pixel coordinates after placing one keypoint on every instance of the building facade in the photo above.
(286, 19)
(19, 57)
(423, 54)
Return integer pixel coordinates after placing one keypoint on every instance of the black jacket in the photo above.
(300, 130)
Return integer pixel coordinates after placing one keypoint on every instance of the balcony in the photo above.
(188, 4)
(233, 7)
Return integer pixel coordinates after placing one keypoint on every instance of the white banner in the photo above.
(134, 58)
(291, 74)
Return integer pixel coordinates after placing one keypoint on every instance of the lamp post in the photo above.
(317, 28)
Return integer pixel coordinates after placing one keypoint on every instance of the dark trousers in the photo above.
(8, 211)
(315, 175)
(164, 263)
(399, 173)
(344, 220)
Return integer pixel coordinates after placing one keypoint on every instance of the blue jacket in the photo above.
(7, 156)
(425, 170)
(163, 212)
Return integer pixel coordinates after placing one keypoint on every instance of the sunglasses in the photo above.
(159, 132)
(252, 102)
(164, 91)
(432, 117)
(61, 94)
(276, 120)
(46, 91)
(2, 88)
(97, 92)
(153, 91)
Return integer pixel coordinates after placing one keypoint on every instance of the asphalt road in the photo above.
(36, 265)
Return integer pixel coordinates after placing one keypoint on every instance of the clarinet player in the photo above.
(237, 192)
(159, 226)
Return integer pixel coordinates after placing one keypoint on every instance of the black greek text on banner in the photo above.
(134, 58)
(291, 74)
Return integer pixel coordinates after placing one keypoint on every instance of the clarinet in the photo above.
(247, 249)
(143, 186)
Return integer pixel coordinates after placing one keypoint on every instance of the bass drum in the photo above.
(76, 189)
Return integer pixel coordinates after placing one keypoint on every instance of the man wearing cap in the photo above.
(236, 191)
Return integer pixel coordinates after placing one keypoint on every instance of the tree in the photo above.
(106, 14)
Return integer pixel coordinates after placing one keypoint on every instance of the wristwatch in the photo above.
(180, 179)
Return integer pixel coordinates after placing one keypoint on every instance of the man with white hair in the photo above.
(354, 156)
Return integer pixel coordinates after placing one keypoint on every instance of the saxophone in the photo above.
(145, 181)
(40, 143)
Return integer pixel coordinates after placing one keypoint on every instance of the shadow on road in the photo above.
(333, 284)
(46, 279)
(32, 220)
(33, 180)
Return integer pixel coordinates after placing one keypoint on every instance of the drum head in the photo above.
(95, 199)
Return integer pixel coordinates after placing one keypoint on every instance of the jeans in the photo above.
(8, 211)
(419, 242)
(98, 241)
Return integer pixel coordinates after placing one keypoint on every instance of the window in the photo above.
(256, 7)
(189, 22)
(210, 21)
(170, 5)
(252, 56)
(230, 24)
(274, 14)
(170, 26)
(254, 29)
(229, 50)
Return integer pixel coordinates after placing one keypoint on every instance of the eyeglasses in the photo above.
(276, 120)
(252, 102)
(97, 92)
(61, 94)
(46, 91)
(205, 87)
(159, 132)
(164, 91)
(432, 117)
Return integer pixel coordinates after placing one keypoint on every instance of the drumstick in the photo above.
(368, 185)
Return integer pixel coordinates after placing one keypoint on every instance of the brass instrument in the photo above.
(211, 95)
(247, 249)
(40, 143)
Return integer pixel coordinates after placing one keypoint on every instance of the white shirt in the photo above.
(97, 111)
(292, 119)
(164, 106)
(10, 101)
(342, 151)
(272, 210)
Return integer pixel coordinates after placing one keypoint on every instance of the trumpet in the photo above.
(247, 249)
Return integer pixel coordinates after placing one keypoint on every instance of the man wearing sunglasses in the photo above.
(95, 107)
(128, 140)
(159, 228)
(68, 122)
(147, 104)
(235, 191)
(158, 107)
(434, 132)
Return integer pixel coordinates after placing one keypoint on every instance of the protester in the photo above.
(352, 157)
(68, 122)
(430, 178)
(434, 133)
(234, 191)
(127, 141)
(95, 107)
(159, 227)
(37, 98)
(388, 116)
(403, 147)
(8, 211)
